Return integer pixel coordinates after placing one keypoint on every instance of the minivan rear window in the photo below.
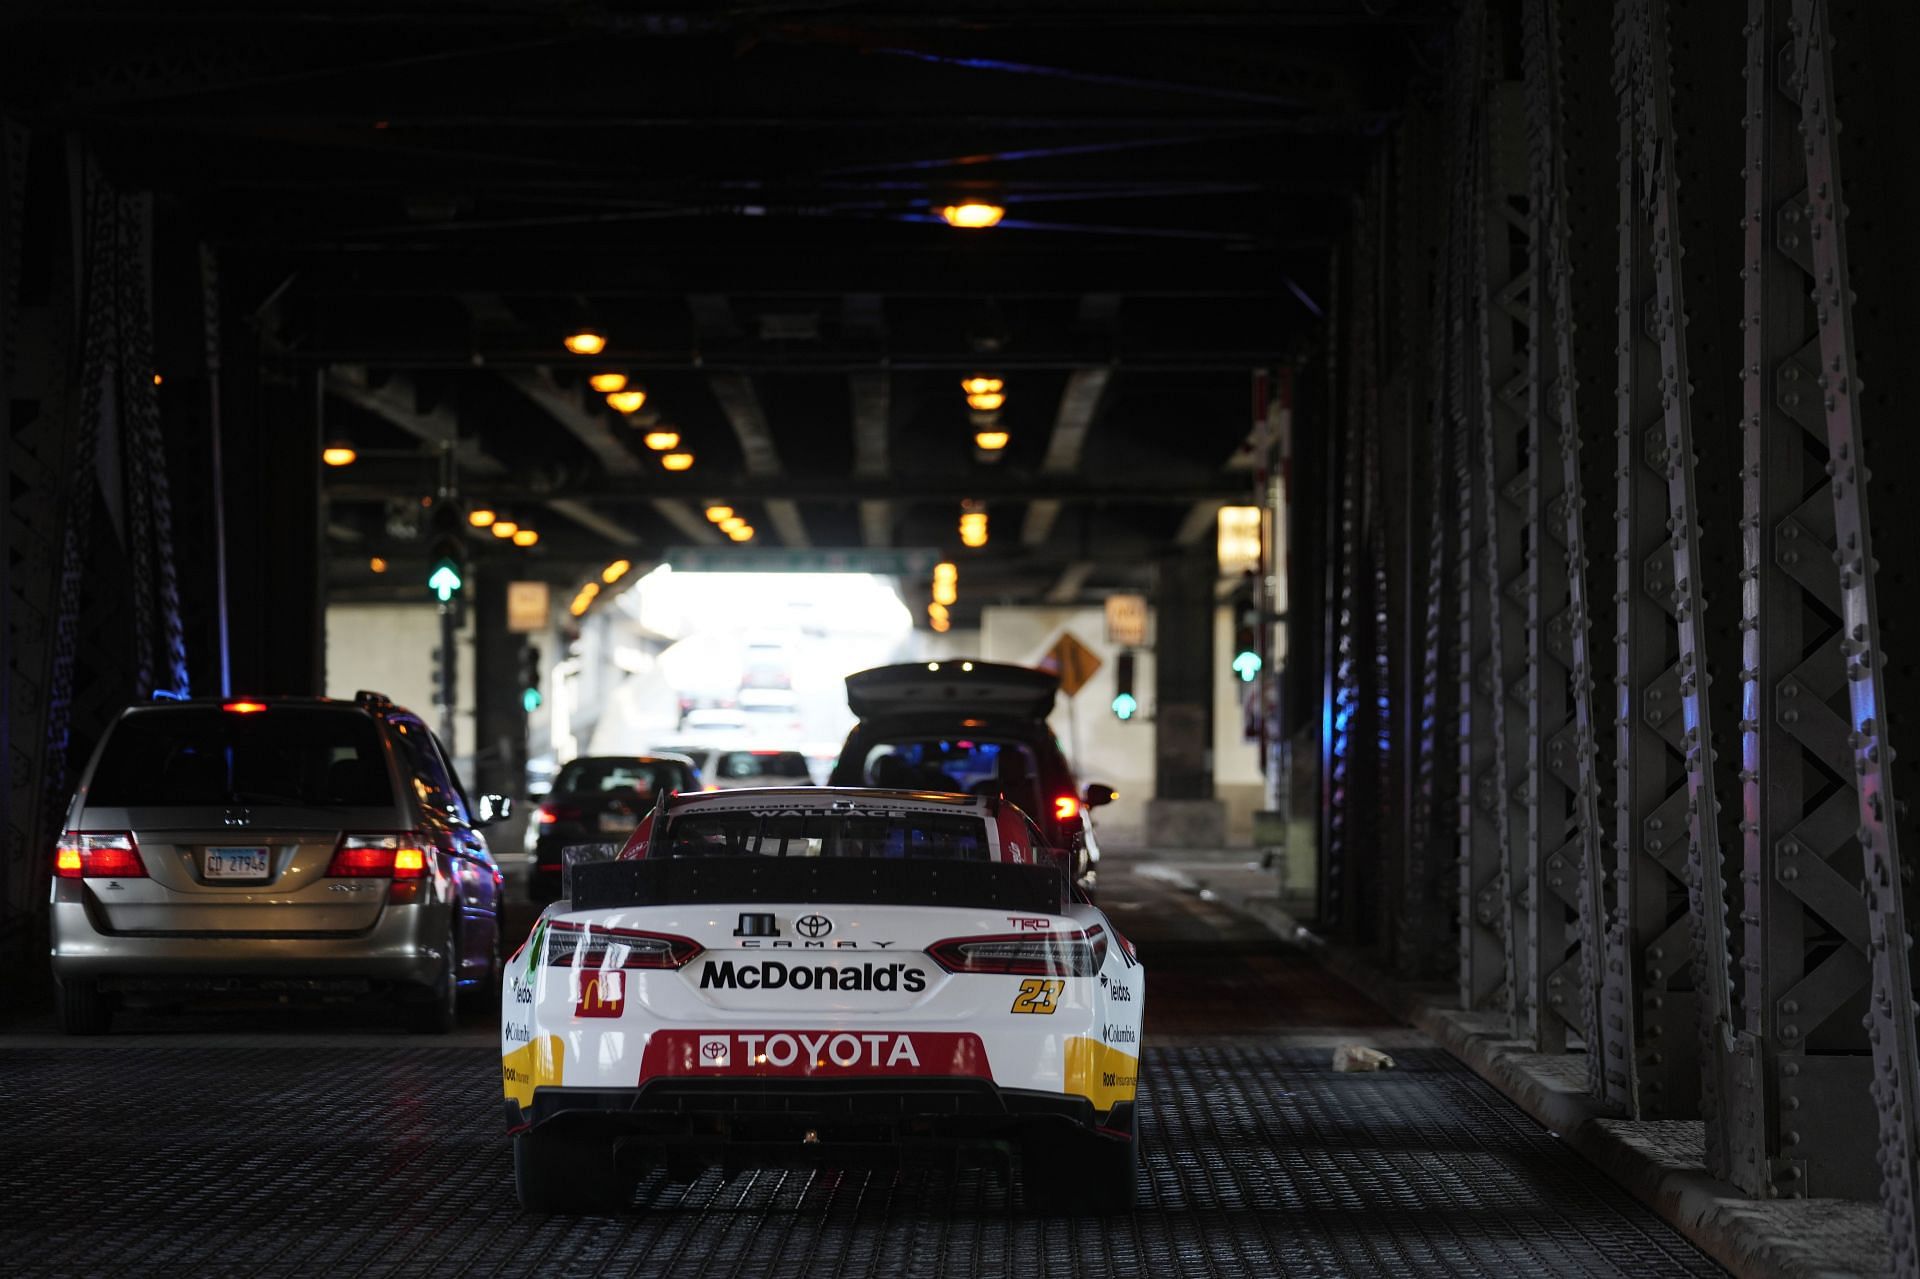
(774, 765)
(304, 756)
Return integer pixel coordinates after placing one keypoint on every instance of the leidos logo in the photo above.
(602, 994)
(771, 974)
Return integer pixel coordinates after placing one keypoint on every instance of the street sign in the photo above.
(888, 561)
(529, 605)
(1127, 621)
(1072, 661)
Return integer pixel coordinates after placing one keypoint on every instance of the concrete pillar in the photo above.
(1183, 812)
(499, 717)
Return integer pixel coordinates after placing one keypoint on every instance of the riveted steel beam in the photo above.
(1879, 688)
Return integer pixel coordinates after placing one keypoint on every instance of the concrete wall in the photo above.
(389, 648)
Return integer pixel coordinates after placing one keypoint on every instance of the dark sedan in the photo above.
(599, 799)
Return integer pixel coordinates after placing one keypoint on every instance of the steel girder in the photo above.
(1502, 281)
(1865, 616)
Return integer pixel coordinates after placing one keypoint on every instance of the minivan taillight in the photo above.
(379, 857)
(551, 812)
(592, 947)
(98, 855)
(1024, 954)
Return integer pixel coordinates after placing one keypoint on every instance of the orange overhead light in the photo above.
(731, 523)
(627, 401)
(940, 624)
(990, 441)
(980, 384)
(986, 401)
(586, 342)
(505, 528)
(937, 611)
(720, 514)
(480, 517)
(338, 455)
(525, 537)
(946, 569)
(157, 379)
(608, 382)
(742, 534)
(615, 571)
(973, 214)
(377, 564)
(973, 528)
(945, 591)
(661, 441)
(677, 461)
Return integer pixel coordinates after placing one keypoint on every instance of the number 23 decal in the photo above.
(1038, 995)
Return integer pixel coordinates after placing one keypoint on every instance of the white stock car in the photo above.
(822, 977)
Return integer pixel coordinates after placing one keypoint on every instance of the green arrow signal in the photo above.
(445, 580)
(1247, 664)
(1124, 705)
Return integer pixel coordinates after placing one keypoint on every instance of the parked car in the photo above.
(277, 843)
(970, 727)
(816, 976)
(598, 799)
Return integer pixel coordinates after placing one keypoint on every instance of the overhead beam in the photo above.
(740, 403)
(1066, 588)
(1079, 401)
(832, 489)
(570, 409)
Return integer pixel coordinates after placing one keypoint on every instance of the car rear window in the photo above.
(645, 778)
(967, 765)
(200, 757)
(773, 765)
(876, 835)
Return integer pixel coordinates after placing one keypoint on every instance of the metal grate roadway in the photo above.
(375, 1160)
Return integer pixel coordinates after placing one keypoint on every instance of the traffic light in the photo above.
(1246, 635)
(448, 574)
(1125, 704)
(445, 581)
(530, 698)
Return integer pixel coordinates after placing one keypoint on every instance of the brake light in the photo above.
(244, 708)
(98, 855)
(1066, 808)
(1024, 954)
(551, 812)
(379, 857)
(583, 945)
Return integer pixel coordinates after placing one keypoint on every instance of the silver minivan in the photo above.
(277, 844)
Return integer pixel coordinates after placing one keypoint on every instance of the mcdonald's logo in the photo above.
(602, 994)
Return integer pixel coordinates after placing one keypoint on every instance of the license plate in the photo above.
(616, 823)
(237, 863)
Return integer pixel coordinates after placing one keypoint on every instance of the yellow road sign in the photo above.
(1072, 661)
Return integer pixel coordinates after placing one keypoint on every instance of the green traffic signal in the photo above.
(1125, 705)
(530, 700)
(1246, 663)
(445, 580)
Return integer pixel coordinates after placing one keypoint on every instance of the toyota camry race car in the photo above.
(822, 977)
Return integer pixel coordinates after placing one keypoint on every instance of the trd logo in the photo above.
(1029, 924)
(602, 994)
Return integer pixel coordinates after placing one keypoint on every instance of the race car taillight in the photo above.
(569, 943)
(551, 812)
(98, 855)
(379, 857)
(1025, 954)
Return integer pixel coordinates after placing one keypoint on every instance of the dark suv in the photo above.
(280, 843)
(971, 727)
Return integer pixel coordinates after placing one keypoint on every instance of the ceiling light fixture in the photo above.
(973, 215)
(719, 513)
(338, 453)
(742, 534)
(731, 523)
(986, 401)
(973, 525)
(505, 528)
(608, 382)
(677, 461)
(377, 564)
(980, 384)
(525, 537)
(615, 571)
(990, 441)
(661, 441)
(627, 401)
(586, 342)
(480, 517)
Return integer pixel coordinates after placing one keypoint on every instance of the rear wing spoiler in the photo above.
(677, 881)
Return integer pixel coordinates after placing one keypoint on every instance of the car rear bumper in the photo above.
(808, 1118)
(406, 945)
